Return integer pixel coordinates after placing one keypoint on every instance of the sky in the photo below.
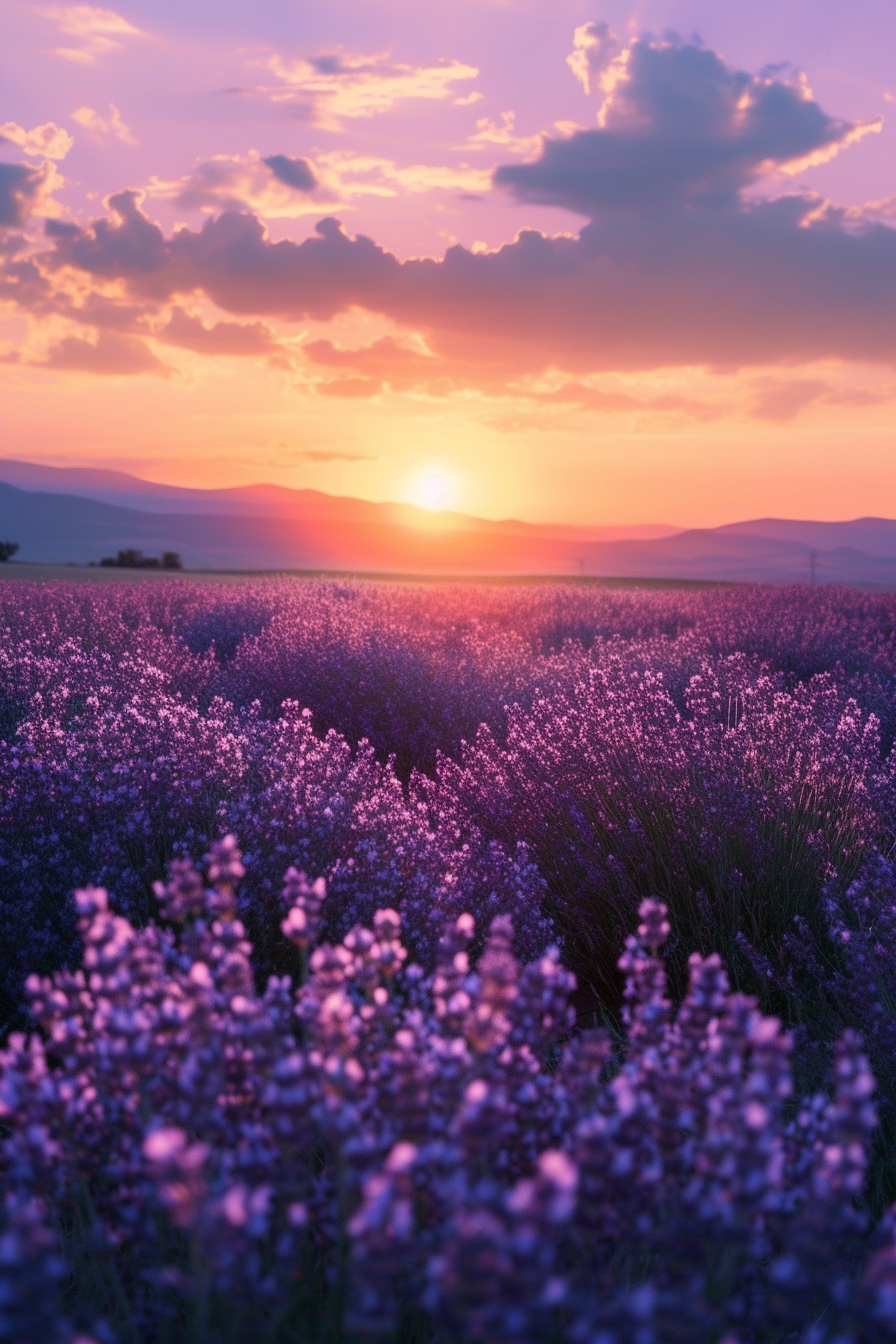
(605, 263)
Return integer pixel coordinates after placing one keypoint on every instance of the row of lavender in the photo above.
(399, 1140)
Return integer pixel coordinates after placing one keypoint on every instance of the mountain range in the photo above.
(73, 514)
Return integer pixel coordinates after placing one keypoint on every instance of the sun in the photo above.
(432, 490)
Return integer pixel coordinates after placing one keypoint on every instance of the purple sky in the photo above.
(697, 323)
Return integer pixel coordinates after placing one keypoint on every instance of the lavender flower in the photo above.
(362, 1096)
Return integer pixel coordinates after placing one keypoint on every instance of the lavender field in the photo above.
(449, 963)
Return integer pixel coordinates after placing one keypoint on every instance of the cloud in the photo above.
(48, 141)
(26, 191)
(770, 281)
(105, 313)
(110, 354)
(324, 455)
(686, 269)
(594, 48)
(97, 31)
(223, 338)
(335, 86)
(384, 363)
(348, 174)
(283, 448)
(98, 126)
(277, 186)
(295, 173)
(381, 358)
(350, 387)
(882, 209)
(597, 399)
(781, 400)
(489, 133)
(678, 126)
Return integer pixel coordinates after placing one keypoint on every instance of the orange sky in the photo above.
(229, 426)
(699, 327)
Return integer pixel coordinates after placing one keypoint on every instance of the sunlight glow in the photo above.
(432, 490)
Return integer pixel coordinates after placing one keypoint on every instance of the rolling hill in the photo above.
(278, 501)
(63, 515)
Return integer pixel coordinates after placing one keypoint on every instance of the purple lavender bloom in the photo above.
(442, 1046)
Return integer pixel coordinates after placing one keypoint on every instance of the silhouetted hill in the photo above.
(343, 534)
(875, 536)
(58, 528)
(279, 501)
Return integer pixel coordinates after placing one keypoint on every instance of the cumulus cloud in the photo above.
(885, 208)
(382, 357)
(280, 187)
(295, 173)
(685, 269)
(337, 86)
(277, 186)
(384, 363)
(348, 174)
(594, 49)
(778, 280)
(110, 354)
(26, 191)
(100, 127)
(97, 32)
(222, 338)
(48, 141)
(489, 134)
(678, 126)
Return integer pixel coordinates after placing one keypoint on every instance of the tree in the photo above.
(130, 559)
(8, 549)
(134, 559)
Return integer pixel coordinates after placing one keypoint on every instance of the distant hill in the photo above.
(279, 501)
(273, 528)
(874, 536)
(742, 556)
(59, 528)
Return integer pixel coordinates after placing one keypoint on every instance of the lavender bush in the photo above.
(736, 807)
(710, 750)
(374, 1149)
(371, 1101)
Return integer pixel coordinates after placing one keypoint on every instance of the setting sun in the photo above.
(432, 490)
